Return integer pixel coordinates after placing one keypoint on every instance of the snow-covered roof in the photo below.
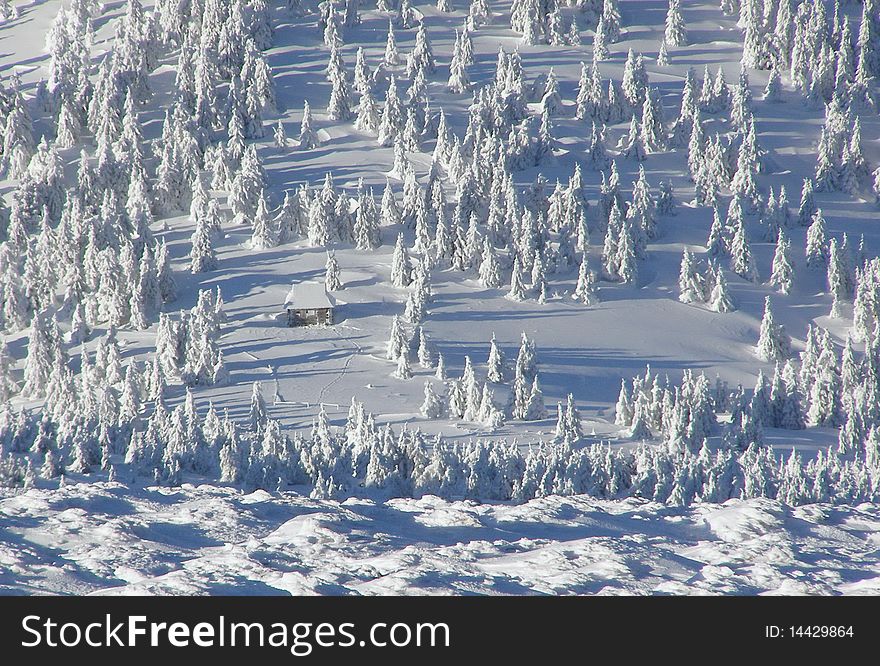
(308, 296)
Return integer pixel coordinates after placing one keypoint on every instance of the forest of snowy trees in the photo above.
(81, 252)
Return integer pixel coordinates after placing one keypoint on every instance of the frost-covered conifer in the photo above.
(807, 208)
(339, 106)
(8, 385)
(367, 113)
(546, 142)
(773, 342)
(458, 82)
(401, 267)
(633, 144)
(653, 134)
(264, 234)
(496, 362)
(741, 260)
(534, 409)
(634, 83)
(663, 55)
(41, 356)
(840, 280)
(690, 282)
(203, 257)
(332, 280)
(517, 290)
(611, 19)
(421, 58)
(397, 339)
(393, 120)
(782, 272)
(308, 138)
(403, 370)
(627, 259)
(490, 268)
(586, 290)
(639, 430)
(440, 373)
(720, 300)
(424, 353)
(773, 91)
(280, 136)
(392, 54)
(432, 406)
(600, 42)
(676, 33)
(258, 415)
(817, 243)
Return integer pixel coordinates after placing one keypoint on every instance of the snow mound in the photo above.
(738, 521)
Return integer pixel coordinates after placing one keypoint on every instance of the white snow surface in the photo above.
(108, 538)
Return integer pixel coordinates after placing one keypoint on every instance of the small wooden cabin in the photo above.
(308, 304)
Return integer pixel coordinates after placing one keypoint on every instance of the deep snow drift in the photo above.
(112, 539)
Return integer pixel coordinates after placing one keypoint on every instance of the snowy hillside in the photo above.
(581, 258)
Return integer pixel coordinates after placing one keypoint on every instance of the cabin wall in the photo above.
(309, 317)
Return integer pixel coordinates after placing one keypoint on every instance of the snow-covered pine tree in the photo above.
(308, 138)
(392, 54)
(398, 339)
(807, 208)
(840, 280)
(332, 279)
(258, 415)
(773, 90)
(817, 243)
(600, 42)
(633, 144)
(458, 82)
(490, 267)
(43, 356)
(741, 260)
(634, 83)
(401, 266)
(782, 272)
(773, 342)
(611, 19)
(432, 406)
(264, 234)
(8, 385)
(280, 136)
(663, 58)
(720, 300)
(421, 58)
(676, 33)
(339, 106)
(627, 258)
(403, 370)
(586, 290)
(393, 119)
(440, 372)
(544, 147)
(653, 133)
(424, 353)
(517, 290)
(690, 282)
(534, 409)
